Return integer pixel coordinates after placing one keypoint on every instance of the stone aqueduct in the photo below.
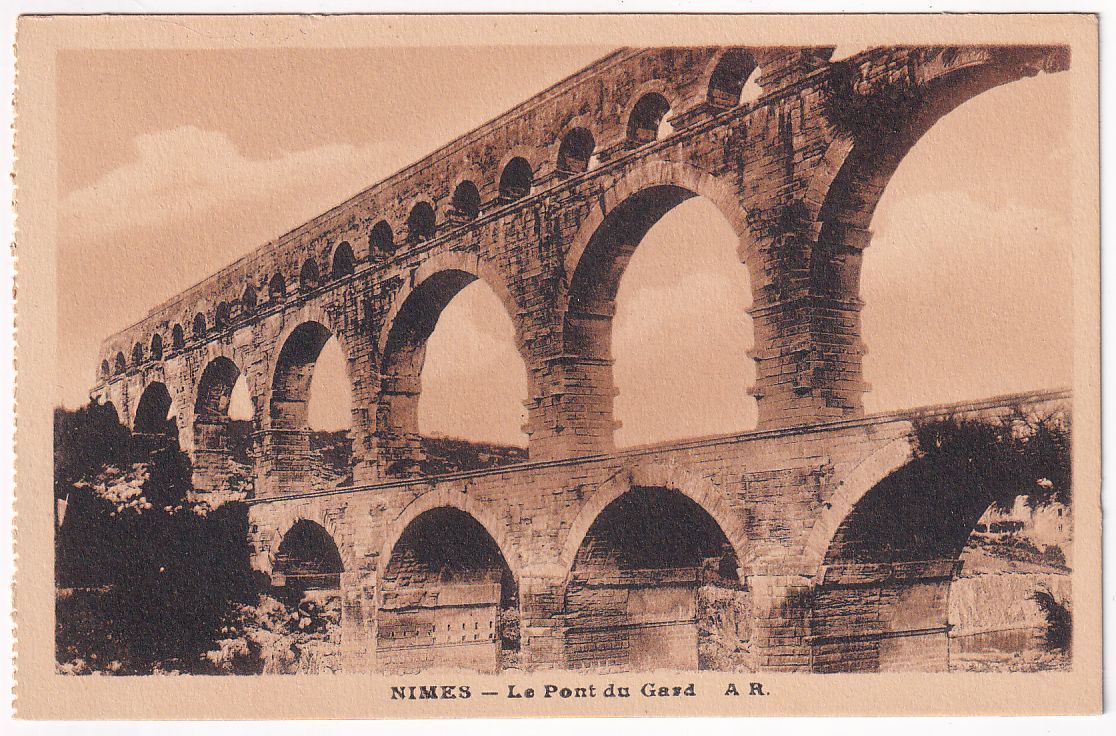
(546, 204)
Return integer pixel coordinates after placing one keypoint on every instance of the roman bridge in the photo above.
(585, 555)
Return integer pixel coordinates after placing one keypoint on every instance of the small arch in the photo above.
(277, 288)
(646, 119)
(381, 240)
(199, 325)
(137, 354)
(307, 560)
(466, 202)
(224, 315)
(248, 300)
(105, 369)
(156, 346)
(516, 180)
(730, 75)
(178, 337)
(343, 261)
(421, 223)
(576, 151)
(308, 277)
(121, 364)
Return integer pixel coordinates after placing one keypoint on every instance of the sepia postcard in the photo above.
(472, 366)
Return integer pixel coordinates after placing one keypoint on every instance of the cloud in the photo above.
(187, 203)
(186, 173)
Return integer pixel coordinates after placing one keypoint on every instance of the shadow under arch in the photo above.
(654, 583)
(151, 415)
(307, 559)
(447, 594)
(891, 546)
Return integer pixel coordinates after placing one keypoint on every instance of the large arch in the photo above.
(605, 244)
(402, 349)
(292, 369)
(698, 488)
(214, 391)
(881, 594)
(215, 445)
(152, 412)
(307, 559)
(287, 421)
(876, 131)
(447, 596)
(640, 592)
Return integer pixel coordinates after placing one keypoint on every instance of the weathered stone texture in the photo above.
(797, 172)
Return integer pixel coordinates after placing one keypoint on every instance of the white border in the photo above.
(563, 727)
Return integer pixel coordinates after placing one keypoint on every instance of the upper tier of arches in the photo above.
(388, 240)
(468, 180)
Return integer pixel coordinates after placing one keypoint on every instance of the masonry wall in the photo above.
(797, 172)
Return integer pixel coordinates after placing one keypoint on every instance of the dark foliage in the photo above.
(928, 508)
(1059, 620)
(1026, 453)
(86, 441)
(149, 579)
(865, 111)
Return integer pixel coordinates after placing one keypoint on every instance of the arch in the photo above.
(576, 151)
(409, 324)
(680, 182)
(727, 81)
(466, 201)
(137, 354)
(343, 260)
(495, 527)
(215, 389)
(178, 337)
(875, 133)
(105, 404)
(610, 236)
(643, 570)
(516, 180)
(121, 364)
(421, 223)
(291, 517)
(152, 412)
(468, 264)
(293, 369)
(308, 277)
(645, 118)
(156, 346)
(445, 586)
(106, 369)
(697, 488)
(223, 316)
(276, 288)
(849, 491)
(308, 558)
(248, 299)
(381, 240)
(198, 327)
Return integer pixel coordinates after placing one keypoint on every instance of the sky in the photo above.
(173, 164)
